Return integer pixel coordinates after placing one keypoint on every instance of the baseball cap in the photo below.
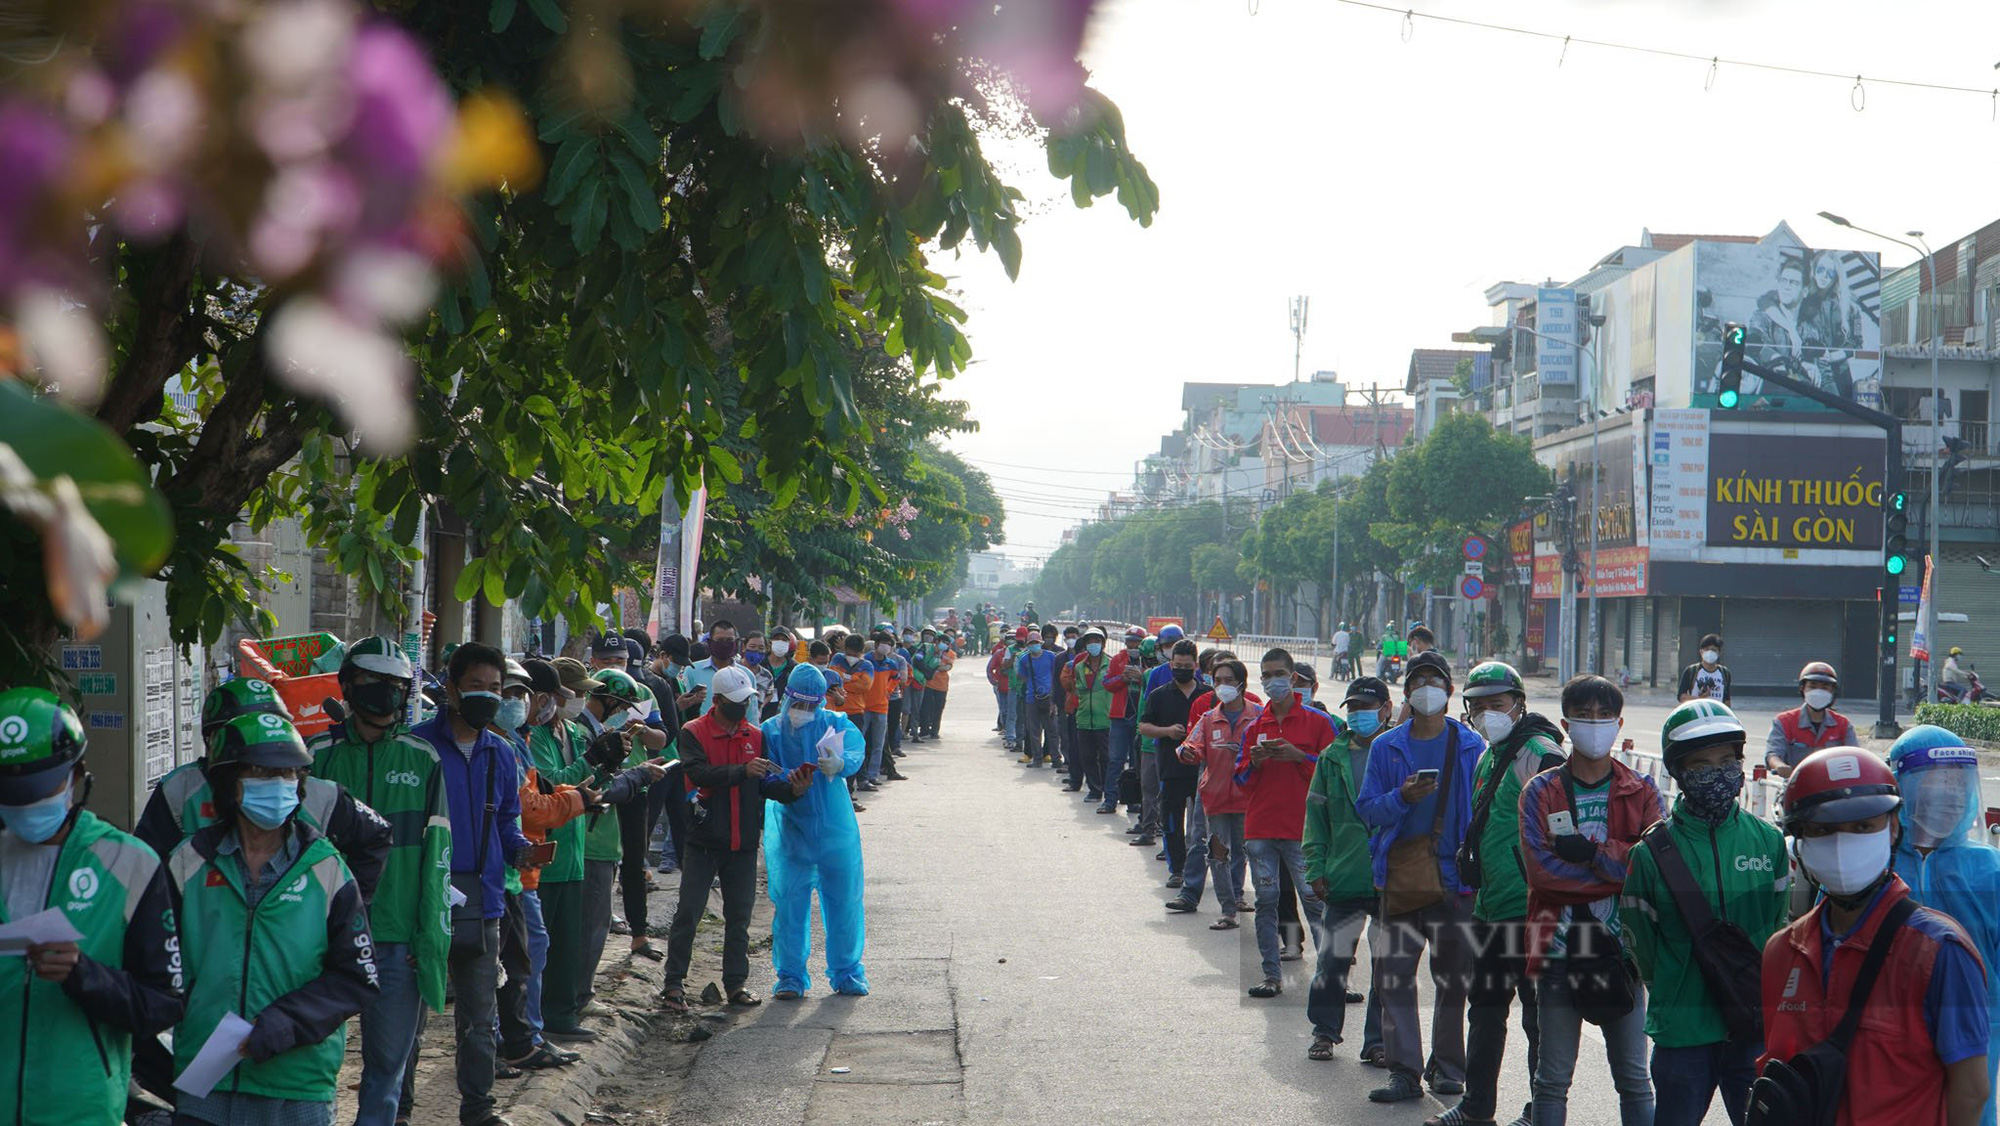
(610, 645)
(1430, 661)
(542, 676)
(733, 683)
(1367, 690)
(574, 675)
(515, 673)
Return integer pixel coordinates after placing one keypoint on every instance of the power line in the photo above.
(1858, 96)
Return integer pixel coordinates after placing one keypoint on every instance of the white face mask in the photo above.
(1428, 700)
(1711, 656)
(1818, 699)
(799, 717)
(1593, 738)
(1495, 725)
(780, 650)
(570, 709)
(1227, 693)
(1845, 863)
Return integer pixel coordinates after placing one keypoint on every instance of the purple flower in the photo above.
(402, 113)
(34, 147)
(145, 30)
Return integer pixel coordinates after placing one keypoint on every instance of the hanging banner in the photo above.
(674, 569)
(1920, 641)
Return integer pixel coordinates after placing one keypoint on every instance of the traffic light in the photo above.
(1730, 392)
(1895, 541)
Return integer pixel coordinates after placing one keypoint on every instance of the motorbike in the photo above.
(1975, 691)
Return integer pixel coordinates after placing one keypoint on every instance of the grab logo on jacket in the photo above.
(82, 884)
(1753, 864)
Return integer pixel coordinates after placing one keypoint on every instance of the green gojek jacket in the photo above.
(1503, 888)
(398, 776)
(1742, 871)
(1336, 839)
(601, 840)
(1093, 693)
(557, 751)
(66, 1049)
(297, 965)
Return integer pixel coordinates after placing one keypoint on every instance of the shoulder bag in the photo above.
(1732, 967)
(1414, 879)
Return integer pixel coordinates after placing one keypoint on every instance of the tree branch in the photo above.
(232, 460)
(165, 332)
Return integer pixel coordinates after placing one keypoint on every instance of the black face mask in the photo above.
(1183, 676)
(479, 710)
(378, 698)
(731, 710)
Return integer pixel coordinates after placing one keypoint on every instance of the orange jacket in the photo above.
(541, 812)
(941, 679)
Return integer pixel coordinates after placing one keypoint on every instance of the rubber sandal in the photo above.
(1322, 1048)
(744, 999)
(1226, 923)
(649, 951)
(674, 1000)
(507, 1071)
(786, 995)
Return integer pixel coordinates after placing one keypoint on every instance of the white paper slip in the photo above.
(216, 1057)
(456, 897)
(41, 927)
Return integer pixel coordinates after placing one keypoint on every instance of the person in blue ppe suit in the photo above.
(814, 841)
(1947, 868)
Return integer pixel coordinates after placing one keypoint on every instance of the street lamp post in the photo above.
(1931, 513)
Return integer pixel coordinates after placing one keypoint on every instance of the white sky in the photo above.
(1307, 149)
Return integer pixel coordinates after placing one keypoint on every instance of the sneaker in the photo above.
(593, 1008)
(1107, 809)
(1093, 796)
(1456, 1116)
(1442, 1083)
(1180, 906)
(866, 787)
(1402, 1086)
(1141, 841)
(1025, 760)
(577, 1035)
(1527, 1116)
(1132, 830)
(1173, 881)
(1160, 855)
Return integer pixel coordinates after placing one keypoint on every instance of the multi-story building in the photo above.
(1762, 523)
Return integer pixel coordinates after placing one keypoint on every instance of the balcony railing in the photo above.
(1922, 440)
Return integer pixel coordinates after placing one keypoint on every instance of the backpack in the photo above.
(1807, 1089)
(1732, 966)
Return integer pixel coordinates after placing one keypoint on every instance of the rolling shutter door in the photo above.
(1766, 642)
(1965, 589)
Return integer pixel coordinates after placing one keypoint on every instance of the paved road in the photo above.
(1024, 971)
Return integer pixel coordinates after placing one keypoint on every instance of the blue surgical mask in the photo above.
(1094, 649)
(270, 801)
(513, 714)
(1034, 648)
(1365, 723)
(37, 821)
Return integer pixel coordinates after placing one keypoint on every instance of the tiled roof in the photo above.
(1427, 364)
(1356, 425)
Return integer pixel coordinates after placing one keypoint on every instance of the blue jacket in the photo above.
(466, 784)
(1381, 803)
(1961, 877)
(1038, 670)
(1157, 678)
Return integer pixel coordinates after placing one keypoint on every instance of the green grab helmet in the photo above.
(41, 741)
(257, 740)
(618, 684)
(1490, 678)
(245, 695)
(1697, 724)
(378, 655)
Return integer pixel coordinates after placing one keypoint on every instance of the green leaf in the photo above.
(500, 15)
(578, 156)
(495, 582)
(640, 201)
(586, 222)
(468, 581)
(375, 573)
(550, 15)
(720, 30)
(55, 441)
(726, 463)
(539, 406)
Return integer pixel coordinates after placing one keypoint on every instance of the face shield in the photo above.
(1940, 803)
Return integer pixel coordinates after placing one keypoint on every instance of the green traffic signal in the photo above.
(1899, 502)
(1730, 396)
(1730, 391)
(1895, 564)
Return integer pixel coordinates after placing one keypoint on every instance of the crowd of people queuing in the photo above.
(1856, 937)
(277, 888)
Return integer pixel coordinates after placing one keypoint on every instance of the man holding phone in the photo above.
(1418, 794)
(722, 756)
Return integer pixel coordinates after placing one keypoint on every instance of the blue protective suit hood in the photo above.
(1961, 875)
(806, 683)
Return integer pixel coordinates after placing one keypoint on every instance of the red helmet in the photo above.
(1021, 633)
(1136, 633)
(1839, 784)
(1819, 670)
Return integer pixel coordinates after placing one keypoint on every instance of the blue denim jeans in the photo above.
(1342, 922)
(388, 1035)
(1685, 1081)
(1006, 706)
(1225, 868)
(1194, 863)
(875, 729)
(1625, 1046)
(1265, 858)
(538, 957)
